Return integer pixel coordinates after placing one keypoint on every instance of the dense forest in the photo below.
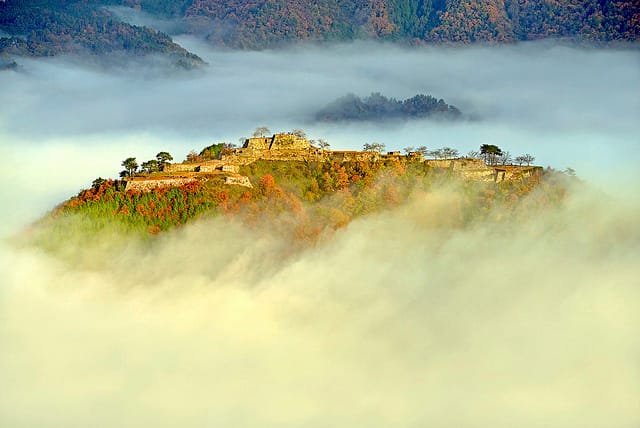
(377, 107)
(49, 27)
(258, 23)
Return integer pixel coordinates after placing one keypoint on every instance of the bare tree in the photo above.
(299, 133)
(323, 144)
(526, 158)
(504, 158)
(423, 150)
(374, 147)
(261, 131)
(474, 154)
(449, 153)
(444, 153)
(409, 149)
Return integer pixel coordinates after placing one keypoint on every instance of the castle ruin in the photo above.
(291, 147)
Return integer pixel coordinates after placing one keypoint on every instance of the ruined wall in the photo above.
(246, 156)
(352, 156)
(210, 166)
(239, 180)
(457, 164)
(415, 156)
(180, 167)
(146, 184)
(260, 143)
(289, 142)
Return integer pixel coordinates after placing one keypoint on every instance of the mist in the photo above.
(404, 318)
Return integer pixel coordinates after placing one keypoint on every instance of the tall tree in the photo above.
(130, 165)
(490, 153)
(163, 158)
(150, 166)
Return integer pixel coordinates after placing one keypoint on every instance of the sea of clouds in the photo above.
(402, 319)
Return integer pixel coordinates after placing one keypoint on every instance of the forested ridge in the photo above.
(49, 27)
(259, 23)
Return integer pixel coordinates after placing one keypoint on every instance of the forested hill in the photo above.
(256, 23)
(40, 28)
(50, 27)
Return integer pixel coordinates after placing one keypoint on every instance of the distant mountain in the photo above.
(260, 23)
(39, 28)
(50, 27)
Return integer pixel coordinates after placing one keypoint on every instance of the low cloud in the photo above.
(569, 106)
(404, 318)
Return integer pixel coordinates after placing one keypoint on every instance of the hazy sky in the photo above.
(401, 320)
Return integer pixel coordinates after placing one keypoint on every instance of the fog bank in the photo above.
(569, 106)
(403, 319)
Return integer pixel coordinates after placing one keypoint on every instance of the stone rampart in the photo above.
(148, 184)
(180, 167)
(238, 180)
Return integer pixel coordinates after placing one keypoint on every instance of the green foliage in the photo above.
(377, 107)
(150, 166)
(130, 165)
(212, 152)
(55, 27)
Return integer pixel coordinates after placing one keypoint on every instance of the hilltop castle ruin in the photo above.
(291, 147)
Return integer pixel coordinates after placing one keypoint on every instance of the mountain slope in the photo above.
(47, 28)
(259, 23)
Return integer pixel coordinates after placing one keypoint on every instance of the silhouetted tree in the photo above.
(323, 144)
(261, 131)
(474, 154)
(163, 158)
(490, 153)
(504, 158)
(130, 165)
(423, 150)
(151, 166)
(299, 133)
(526, 158)
(374, 147)
(98, 182)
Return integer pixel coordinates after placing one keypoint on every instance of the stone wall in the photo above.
(289, 142)
(146, 184)
(239, 180)
(180, 167)
(260, 143)
(352, 156)
(457, 164)
(246, 156)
